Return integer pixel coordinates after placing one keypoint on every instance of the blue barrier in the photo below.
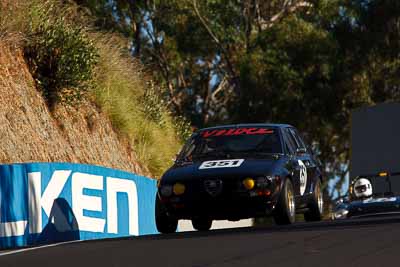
(42, 203)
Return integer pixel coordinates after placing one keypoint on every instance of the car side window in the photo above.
(301, 140)
(290, 145)
(187, 148)
(297, 138)
(288, 149)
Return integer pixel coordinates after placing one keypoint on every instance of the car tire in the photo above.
(285, 210)
(165, 224)
(316, 204)
(202, 224)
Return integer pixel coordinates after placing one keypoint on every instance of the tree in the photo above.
(304, 62)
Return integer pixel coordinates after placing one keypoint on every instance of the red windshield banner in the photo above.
(236, 131)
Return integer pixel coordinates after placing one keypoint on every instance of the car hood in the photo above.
(249, 167)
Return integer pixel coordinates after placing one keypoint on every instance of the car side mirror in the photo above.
(301, 150)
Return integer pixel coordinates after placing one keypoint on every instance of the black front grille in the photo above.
(213, 187)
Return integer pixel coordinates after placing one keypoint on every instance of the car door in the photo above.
(294, 165)
(307, 164)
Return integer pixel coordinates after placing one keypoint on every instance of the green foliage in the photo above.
(62, 60)
(135, 108)
(308, 63)
(155, 109)
(153, 105)
(183, 127)
(70, 60)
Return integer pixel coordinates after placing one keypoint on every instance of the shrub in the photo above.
(62, 60)
(134, 105)
(155, 109)
(66, 61)
(153, 105)
(183, 128)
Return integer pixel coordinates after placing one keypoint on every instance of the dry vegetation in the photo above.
(120, 85)
(109, 125)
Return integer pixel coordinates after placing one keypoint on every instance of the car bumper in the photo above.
(233, 207)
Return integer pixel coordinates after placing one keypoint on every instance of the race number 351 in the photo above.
(213, 164)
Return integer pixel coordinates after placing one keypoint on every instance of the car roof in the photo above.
(276, 125)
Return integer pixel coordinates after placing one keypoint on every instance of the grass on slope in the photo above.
(119, 83)
(120, 86)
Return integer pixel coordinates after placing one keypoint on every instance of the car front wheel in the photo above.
(285, 209)
(165, 224)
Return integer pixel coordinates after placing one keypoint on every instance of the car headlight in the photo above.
(249, 183)
(166, 190)
(340, 214)
(179, 189)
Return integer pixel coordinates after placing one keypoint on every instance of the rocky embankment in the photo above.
(29, 132)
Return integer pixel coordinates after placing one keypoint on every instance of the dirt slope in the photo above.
(30, 133)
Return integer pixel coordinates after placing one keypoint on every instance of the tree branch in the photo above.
(215, 39)
(288, 7)
(221, 87)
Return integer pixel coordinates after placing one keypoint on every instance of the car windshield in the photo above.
(220, 142)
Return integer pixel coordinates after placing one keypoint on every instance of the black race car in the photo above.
(240, 171)
(370, 196)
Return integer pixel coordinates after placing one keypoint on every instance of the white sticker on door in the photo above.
(303, 177)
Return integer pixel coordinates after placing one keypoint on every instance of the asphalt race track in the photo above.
(367, 242)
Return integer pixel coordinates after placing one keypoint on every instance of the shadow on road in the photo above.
(321, 226)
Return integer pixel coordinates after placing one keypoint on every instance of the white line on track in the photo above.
(36, 248)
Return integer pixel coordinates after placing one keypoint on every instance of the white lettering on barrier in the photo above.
(114, 186)
(45, 201)
(9, 229)
(34, 199)
(80, 202)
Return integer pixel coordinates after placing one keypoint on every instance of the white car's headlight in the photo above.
(340, 214)
(166, 190)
